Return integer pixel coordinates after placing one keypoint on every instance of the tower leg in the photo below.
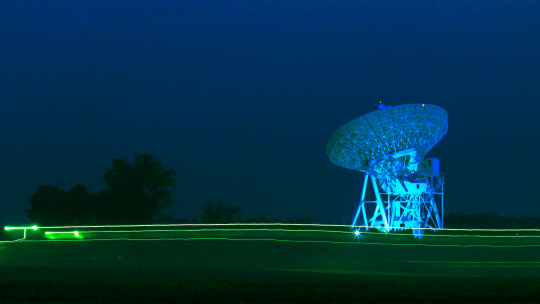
(361, 204)
(380, 205)
(438, 223)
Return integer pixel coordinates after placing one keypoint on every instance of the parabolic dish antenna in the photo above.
(387, 131)
(390, 144)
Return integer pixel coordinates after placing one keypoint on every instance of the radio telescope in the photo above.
(389, 145)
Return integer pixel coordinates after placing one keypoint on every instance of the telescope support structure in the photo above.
(408, 186)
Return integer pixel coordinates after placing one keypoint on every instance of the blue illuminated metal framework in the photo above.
(390, 145)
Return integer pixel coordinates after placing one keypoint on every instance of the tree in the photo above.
(305, 220)
(84, 204)
(137, 193)
(50, 205)
(277, 220)
(220, 213)
(46, 206)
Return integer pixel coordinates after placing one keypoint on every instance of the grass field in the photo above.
(267, 263)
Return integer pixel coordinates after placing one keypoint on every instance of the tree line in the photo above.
(138, 193)
(484, 221)
(220, 213)
(135, 194)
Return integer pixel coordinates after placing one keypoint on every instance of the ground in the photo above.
(270, 266)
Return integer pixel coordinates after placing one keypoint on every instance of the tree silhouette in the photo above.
(46, 206)
(137, 193)
(84, 204)
(220, 213)
(52, 206)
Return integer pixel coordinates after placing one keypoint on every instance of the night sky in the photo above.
(239, 97)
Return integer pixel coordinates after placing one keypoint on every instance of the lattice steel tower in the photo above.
(389, 145)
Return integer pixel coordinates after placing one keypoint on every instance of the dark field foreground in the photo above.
(270, 268)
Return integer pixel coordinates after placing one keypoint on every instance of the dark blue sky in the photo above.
(239, 97)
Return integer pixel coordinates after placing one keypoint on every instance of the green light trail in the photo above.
(294, 230)
(290, 233)
(63, 234)
(292, 241)
(13, 241)
(21, 228)
(207, 230)
(187, 225)
(276, 224)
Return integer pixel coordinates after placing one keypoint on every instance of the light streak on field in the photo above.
(280, 232)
